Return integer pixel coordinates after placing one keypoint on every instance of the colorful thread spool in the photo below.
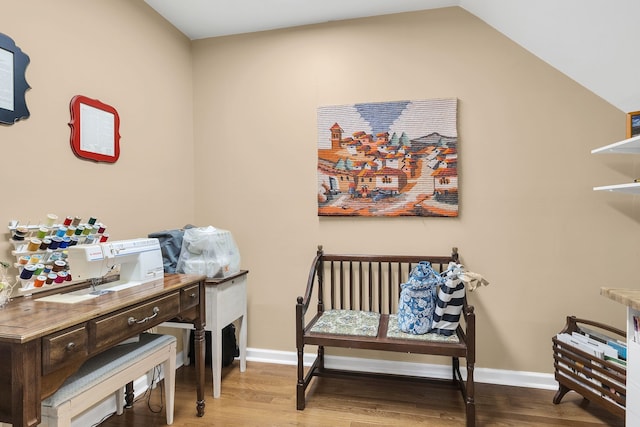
(39, 269)
(79, 230)
(67, 221)
(65, 242)
(71, 230)
(24, 260)
(47, 269)
(73, 240)
(90, 239)
(55, 242)
(59, 265)
(42, 231)
(87, 230)
(61, 231)
(61, 277)
(27, 271)
(51, 219)
(92, 220)
(20, 233)
(45, 244)
(35, 258)
(34, 244)
(104, 238)
(76, 221)
(40, 280)
(50, 278)
(101, 228)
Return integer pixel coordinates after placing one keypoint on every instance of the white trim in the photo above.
(482, 375)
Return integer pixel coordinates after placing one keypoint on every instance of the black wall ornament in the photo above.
(13, 84)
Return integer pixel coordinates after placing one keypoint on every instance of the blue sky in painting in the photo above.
(381, 116)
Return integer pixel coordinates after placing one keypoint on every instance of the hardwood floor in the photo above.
(264, 395)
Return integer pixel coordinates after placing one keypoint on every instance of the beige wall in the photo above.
(529, 220)
(125, 55)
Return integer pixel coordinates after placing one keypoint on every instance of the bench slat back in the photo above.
(368, 282)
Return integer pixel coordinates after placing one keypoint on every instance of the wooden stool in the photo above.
(108, 373)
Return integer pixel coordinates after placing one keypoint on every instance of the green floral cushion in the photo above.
(394, 331)
(348, 322)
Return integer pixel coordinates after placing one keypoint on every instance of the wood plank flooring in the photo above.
(264, 395)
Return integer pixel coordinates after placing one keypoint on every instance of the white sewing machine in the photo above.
(139, 261)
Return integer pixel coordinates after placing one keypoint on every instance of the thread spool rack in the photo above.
(27, 254)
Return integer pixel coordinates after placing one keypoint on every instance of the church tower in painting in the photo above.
(336, 136)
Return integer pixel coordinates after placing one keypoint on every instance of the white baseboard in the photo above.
(481, 375)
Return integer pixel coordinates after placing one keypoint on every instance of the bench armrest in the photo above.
(302, 302)
(468, 333)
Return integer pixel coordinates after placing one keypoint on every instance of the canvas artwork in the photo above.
(388, 159)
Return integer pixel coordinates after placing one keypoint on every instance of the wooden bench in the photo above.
(107, 373)
(366, 288)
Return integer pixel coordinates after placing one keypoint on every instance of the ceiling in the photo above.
(591, 41)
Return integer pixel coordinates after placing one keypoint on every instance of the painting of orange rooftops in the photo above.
(388, 159)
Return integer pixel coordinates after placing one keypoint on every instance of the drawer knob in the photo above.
(71, 346)
(193, 295)
(133, 321)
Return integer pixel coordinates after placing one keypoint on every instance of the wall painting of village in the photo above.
(388, 159)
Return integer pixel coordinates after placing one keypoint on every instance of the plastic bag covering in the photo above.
(208, 251)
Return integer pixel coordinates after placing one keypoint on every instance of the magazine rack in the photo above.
(597, 380)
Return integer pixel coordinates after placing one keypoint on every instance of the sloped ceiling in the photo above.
(591, 41)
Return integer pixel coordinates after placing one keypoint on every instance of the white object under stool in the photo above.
(108, 373)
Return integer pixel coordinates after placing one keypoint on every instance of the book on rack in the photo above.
(572, 341)
(596, 335)
(620, 347)
(620, 362)
(605, 349)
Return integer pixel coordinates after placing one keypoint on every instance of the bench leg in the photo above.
(60, 417)
(120, 401)
(169, 368)
(300, 384)
(321, 357)
(455, 367)
(470, 402)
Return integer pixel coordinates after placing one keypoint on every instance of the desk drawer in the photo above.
(116, 327)
(64, 348)
(189, 297)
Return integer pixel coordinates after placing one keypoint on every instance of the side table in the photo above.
(225, 302)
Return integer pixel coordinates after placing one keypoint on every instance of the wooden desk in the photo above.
(226, 303)
(42, 342)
